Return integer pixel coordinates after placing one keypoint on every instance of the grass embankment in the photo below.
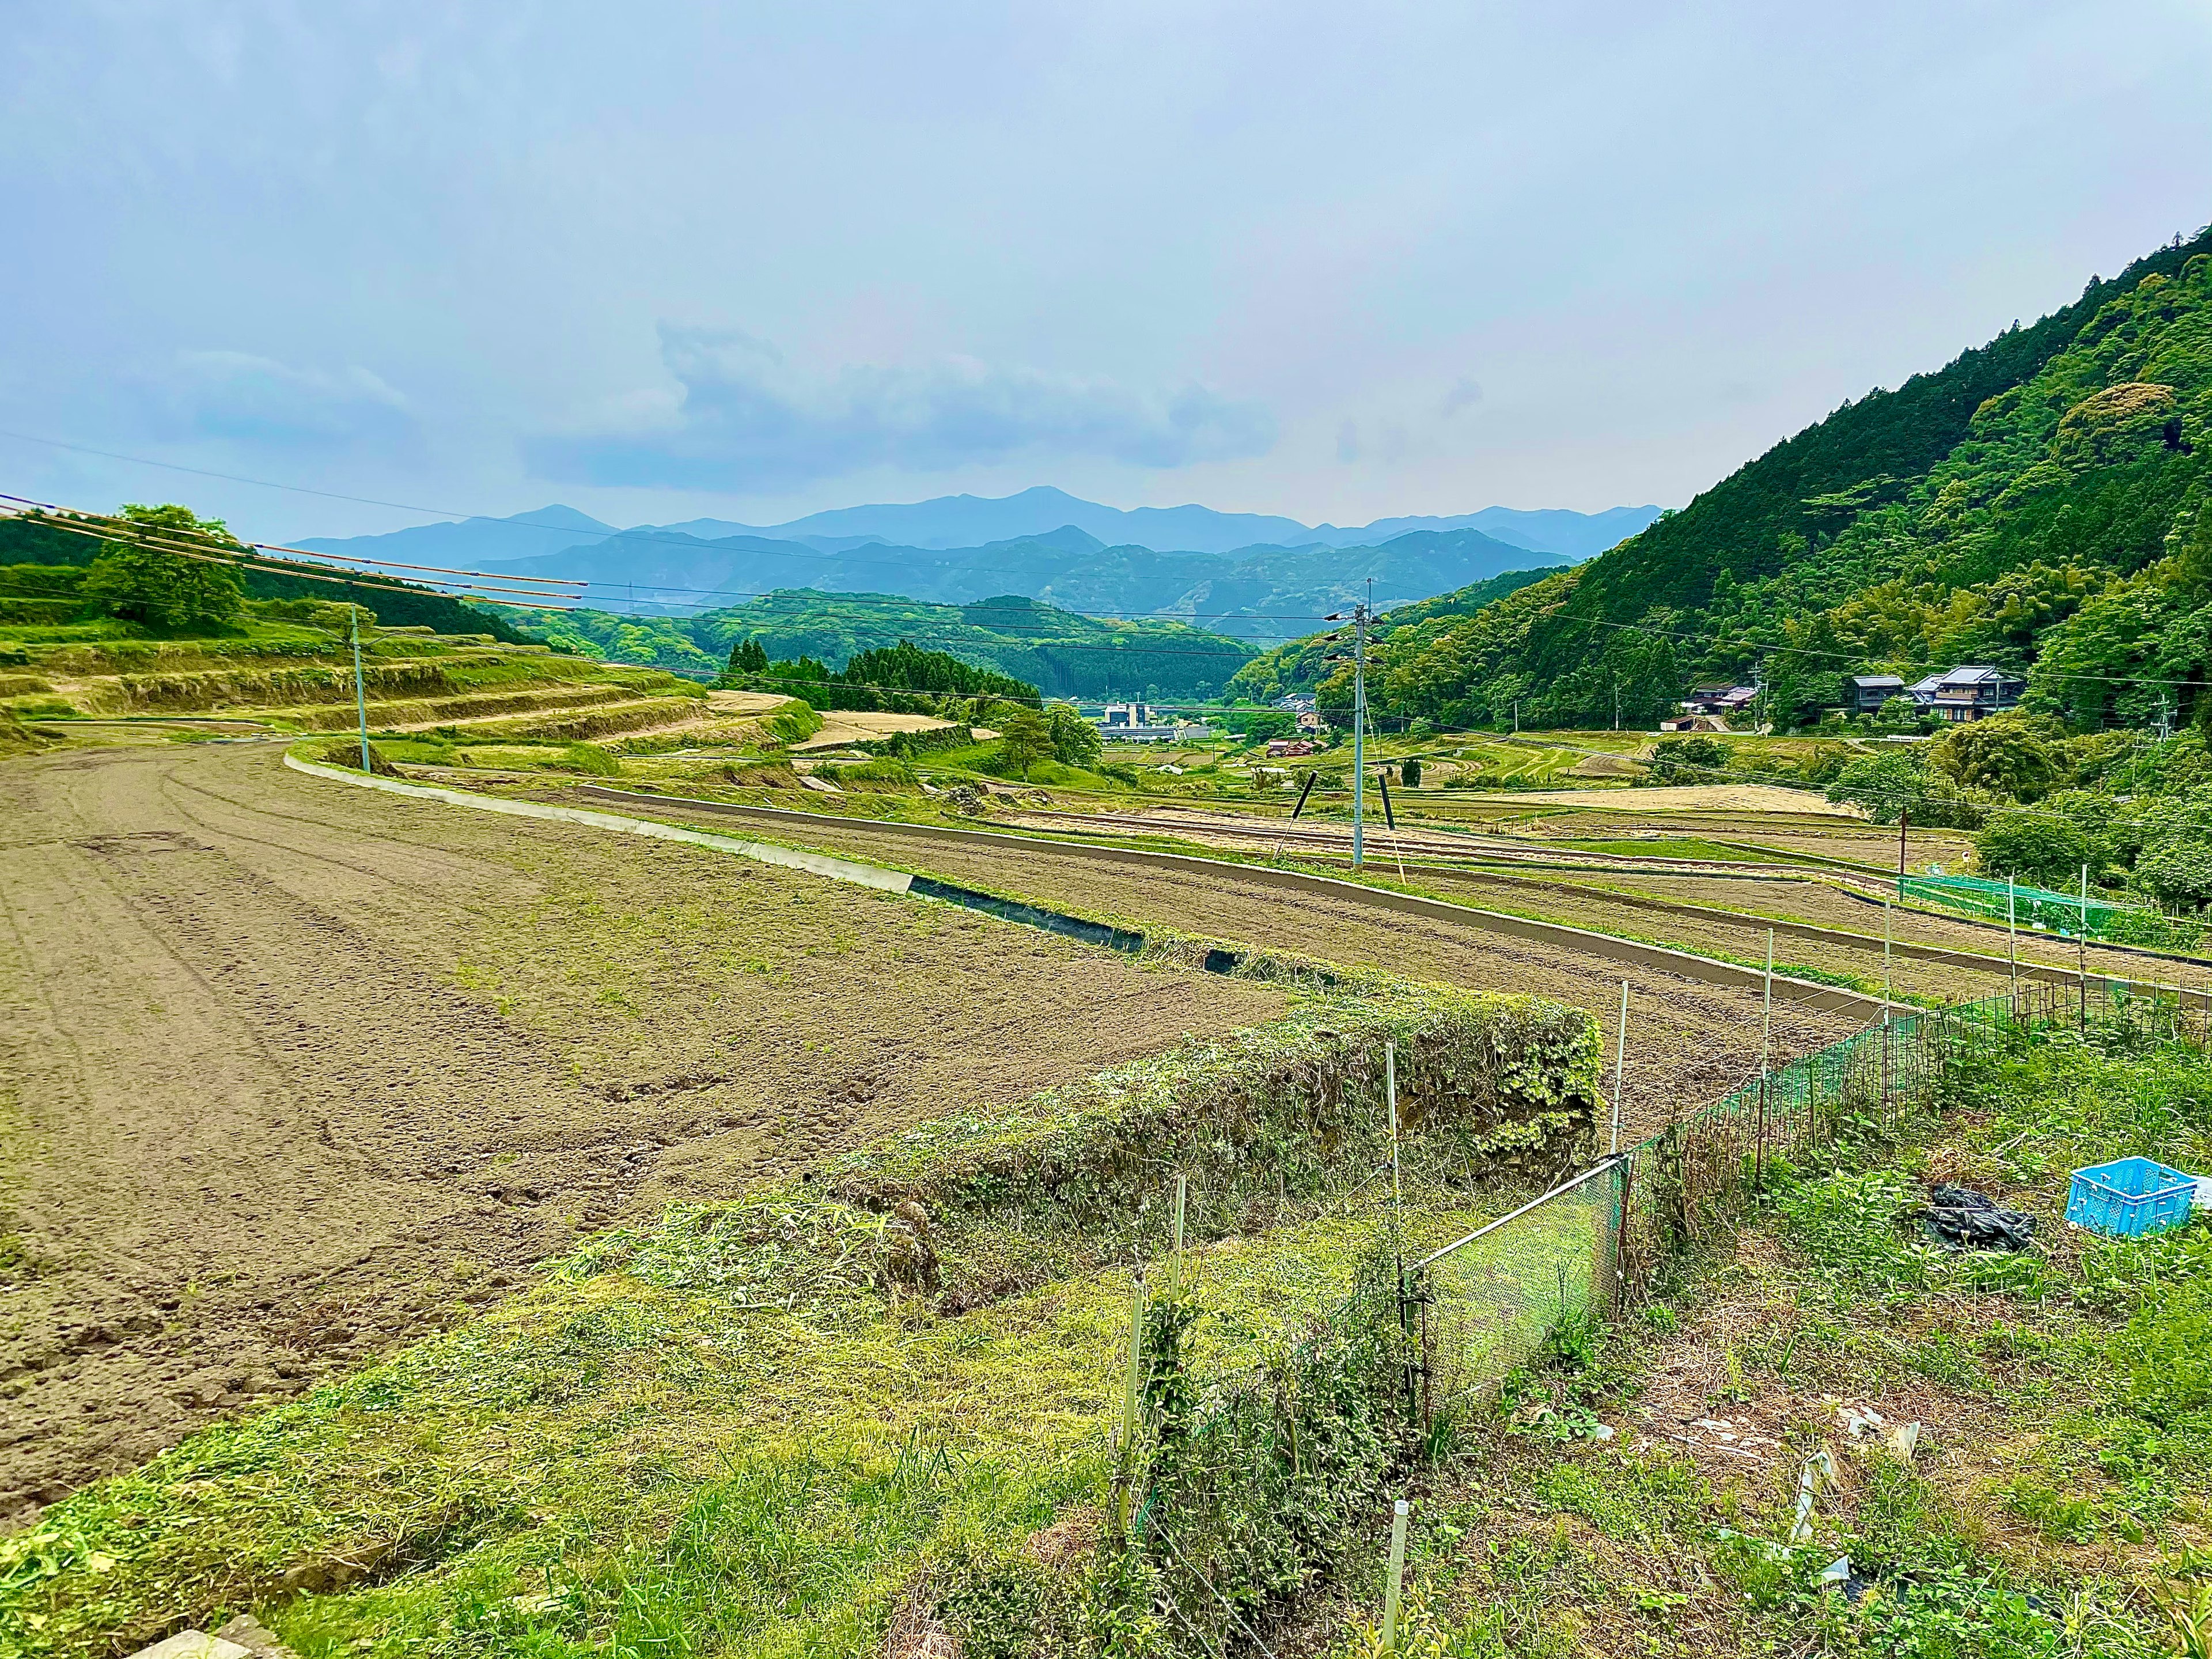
(2056, 1501)
(881, 1391)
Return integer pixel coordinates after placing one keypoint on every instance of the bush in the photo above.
(1688, 760)
(589, 757)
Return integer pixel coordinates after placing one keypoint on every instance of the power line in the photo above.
(40, 510)
(129, 531)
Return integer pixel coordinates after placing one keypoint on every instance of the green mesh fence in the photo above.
(2029, 906)
(1488, 1303)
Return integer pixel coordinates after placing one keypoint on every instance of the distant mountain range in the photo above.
(1253, 577)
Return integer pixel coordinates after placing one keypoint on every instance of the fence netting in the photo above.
(1485, 1306)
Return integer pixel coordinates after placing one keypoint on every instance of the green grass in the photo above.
(2065, 1471)
(1678, 846)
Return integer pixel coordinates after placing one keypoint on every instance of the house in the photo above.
(1282, 748)
(1969, 693)
(1864, 694)
(1298, 702)
(1720, 699)
(1309, 720)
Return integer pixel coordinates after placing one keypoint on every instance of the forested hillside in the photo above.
(1298, 666)
(2039, 504)
(1063, 654)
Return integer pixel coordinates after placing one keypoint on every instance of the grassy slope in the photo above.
(2064, 1477)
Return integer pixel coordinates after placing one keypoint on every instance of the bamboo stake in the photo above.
(1393, 1589)
(1619, 1065)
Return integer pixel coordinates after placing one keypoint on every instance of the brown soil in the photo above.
(1688, 1042)
(290, 1073)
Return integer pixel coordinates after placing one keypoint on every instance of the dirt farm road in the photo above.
(291, 1073)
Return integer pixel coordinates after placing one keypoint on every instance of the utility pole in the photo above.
(1516, 717)
(1616, 700)
(360, 695)
(1904, 813)
(1359, 617)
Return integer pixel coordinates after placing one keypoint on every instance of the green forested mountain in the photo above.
(2040, 504)
(1062, 654)
(1298, 666)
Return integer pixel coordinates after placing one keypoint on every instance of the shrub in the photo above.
(1688, 760)
(589, 757)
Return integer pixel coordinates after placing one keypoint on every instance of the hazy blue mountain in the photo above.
(953, 522)
(1261, 593)
(1575, 536)
(971, 520)
(470, 543)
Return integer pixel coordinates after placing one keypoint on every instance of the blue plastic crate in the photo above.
(2130, 1199)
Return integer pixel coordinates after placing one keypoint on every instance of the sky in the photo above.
(661, 261)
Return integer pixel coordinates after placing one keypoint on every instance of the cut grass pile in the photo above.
(771, 1426)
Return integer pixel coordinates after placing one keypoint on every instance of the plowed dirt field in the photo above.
(1688, 1042)
(291, 1071)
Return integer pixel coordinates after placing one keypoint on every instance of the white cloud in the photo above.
(747, 418)
(258, 401)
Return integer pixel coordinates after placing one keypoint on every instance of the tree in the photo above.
(1889, 785)
(1688, 760)
(1409, 773)
(1025, 737)
(1075, 740)
(1884, 786)
(748, 656)
(162, 588)
(2177, 872)
(2008, 755)
(2042, 848)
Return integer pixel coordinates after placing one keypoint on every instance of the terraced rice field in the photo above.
(1690, 1042)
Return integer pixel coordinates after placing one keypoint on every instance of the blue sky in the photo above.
(661, 261)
